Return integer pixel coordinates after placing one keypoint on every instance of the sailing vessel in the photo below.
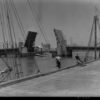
(12, 60)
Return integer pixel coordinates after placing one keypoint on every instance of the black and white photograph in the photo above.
(49, 48)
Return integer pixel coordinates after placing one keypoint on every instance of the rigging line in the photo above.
(2, 25)
(99, 27)
(7, 15)
(33, 14)
(15, 61)
(18, 18)
(12, 26)
(95, 36)
(5, 12)
(6, 63)
(2, 29)
(2, 22)
(13, 58)
(96, 13)
(8, 23)
(91, 33)
(37, 20)
(99, 39)
(89, 42)
(5, 77)
(39, 15)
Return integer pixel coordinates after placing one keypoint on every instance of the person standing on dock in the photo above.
(58, 61)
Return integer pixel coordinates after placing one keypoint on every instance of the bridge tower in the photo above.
(29, 43)
(61, 43)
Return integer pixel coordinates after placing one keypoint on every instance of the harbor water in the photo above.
(26, 66)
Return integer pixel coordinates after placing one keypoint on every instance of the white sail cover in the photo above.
(61, 43)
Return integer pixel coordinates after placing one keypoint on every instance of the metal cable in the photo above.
(36, 18)
(2, 22)
(12, 25)
(17, 18)
(91, 33)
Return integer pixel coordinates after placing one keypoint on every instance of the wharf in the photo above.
(78, 81)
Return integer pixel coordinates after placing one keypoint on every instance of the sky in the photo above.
(73, 17)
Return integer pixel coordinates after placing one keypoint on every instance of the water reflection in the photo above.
(29, 64)
(26, 66)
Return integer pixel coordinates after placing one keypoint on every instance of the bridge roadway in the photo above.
(81, 48)
(69, 49)
(78, 81)
(9, 50)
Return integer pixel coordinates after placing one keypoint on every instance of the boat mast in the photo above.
(18, 19)
(9, 23)
(95, 36)
(96, 21)
(2, 24)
